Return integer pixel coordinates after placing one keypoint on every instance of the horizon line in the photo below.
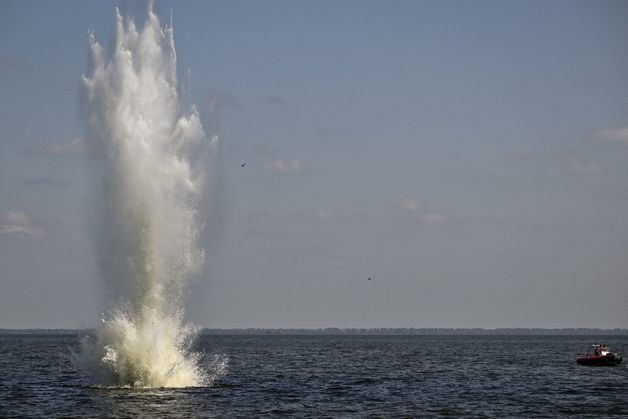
(361, 330)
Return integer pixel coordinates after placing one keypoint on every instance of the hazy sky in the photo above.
(469, 157)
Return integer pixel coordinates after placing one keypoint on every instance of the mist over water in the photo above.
(154, 161)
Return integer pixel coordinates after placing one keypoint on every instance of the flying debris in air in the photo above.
(243, 164)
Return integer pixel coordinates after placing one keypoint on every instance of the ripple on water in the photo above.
(333, 376)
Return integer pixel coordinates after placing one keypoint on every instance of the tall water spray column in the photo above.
(152, 179)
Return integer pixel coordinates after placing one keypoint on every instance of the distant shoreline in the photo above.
(365, 331)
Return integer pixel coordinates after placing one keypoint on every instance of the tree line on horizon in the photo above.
(429, 331)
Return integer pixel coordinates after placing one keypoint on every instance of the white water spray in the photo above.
(154, 151)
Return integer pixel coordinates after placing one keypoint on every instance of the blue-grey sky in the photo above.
(471, 158)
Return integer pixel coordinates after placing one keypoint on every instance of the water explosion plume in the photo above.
(153, 148)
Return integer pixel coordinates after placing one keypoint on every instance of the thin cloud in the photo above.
(283, 166)
(45, 181)
(276, 100)
(72, 147)
(615, 135)
(326, 215)
(19, 224)
(434, 218)
(410, 205)
(582, 167)
(414, 209)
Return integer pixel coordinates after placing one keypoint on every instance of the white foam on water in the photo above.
(153, 150)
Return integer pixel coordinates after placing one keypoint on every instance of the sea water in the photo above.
(334, 376)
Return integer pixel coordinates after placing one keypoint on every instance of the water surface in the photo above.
(340, 376)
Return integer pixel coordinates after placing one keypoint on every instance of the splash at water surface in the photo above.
(153, 150)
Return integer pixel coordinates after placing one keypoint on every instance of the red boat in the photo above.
(601, 357)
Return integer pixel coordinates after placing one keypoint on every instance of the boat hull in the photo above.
(600, 360)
